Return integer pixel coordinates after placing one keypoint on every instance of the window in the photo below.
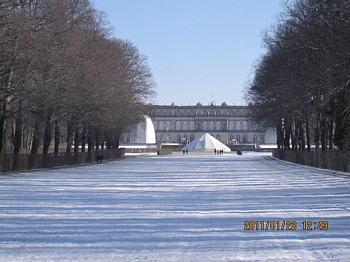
(205, 126)
(155, 124)
(168, 125)
(178, 125)
(211, 126)
(198, 126)
(245, 140)
(185, 125)
(224, 126)
(218, 126)
(218, 137)
(238, 139)
(191, 138)
(178, 139)
(192, 125)
(231, 125)
(161, 126)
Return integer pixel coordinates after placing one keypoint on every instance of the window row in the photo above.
(201, 126)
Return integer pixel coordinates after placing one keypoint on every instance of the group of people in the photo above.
(218, 152)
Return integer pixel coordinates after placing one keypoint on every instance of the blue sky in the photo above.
(198, 50)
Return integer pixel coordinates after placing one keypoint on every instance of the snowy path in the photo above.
(176, 208)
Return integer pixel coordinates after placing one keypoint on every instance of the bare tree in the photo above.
(304, 75)
(59, 67)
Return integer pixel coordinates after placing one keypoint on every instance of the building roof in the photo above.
(201, 106)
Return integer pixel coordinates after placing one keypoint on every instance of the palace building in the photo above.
(228, 124)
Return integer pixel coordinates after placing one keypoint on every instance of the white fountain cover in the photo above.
(143, 132)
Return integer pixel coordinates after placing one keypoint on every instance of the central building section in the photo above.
(182, 124)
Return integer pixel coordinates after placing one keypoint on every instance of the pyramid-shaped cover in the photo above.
(206, 143)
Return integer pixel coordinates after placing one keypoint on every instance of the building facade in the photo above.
(182, 124)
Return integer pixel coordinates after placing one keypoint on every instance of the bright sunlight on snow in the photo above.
(177, 208)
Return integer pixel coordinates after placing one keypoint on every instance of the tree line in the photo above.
(61, 71)
(301, 85)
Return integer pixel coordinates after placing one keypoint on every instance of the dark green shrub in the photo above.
(164, 152)
(239, 152)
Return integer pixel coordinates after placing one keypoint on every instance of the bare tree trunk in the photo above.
(307, 129)
(83, 140)
(35, 138)
(287, 139)
(76, 139)
(287, 135)
(90, 141)
(317, 132)
(279, 137)
(296, 138)
(2, 127)
(18, 132)
(69, 135)
(47, 135)
(324, 134)
(332, 133)
(3, 118)
(57, 137)
(301, 137)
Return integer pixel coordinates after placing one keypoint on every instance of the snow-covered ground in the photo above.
(176, 208)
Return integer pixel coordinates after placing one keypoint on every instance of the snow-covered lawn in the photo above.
(176, 208)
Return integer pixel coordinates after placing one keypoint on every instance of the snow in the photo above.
(175, 208)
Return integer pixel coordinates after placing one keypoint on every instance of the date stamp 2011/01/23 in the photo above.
(285, 225)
